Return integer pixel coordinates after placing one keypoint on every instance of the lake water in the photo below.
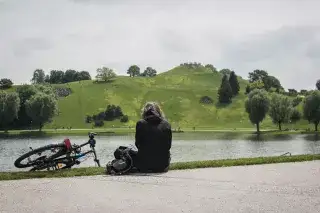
(185, 147)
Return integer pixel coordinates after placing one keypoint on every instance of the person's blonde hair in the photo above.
(152, 106)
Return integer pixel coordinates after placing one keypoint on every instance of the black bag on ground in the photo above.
(123, 162)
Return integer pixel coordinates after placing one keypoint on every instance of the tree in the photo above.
(293, 92)
(225, 91)
(257, 106)
(5, 83)
(280, 109)
(9, 108)
(318, 84)
(105, 74)
(149, 72)
(38, 77)
(257, 75)
(225, 71)
(56, 76)
(84, 75)
(47, 79)
(70, 76)
(41, 108)
(211, 67)
(25, 92)
(133, 71)
(295, 115)
(234, 83)
(254, 85)
(311, 108)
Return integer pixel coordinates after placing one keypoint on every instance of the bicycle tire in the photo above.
(18, 164)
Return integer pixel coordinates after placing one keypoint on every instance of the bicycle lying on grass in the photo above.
(59, 156)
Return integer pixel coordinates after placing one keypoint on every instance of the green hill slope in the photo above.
(178, 91)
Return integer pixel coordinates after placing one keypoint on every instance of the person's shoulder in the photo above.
(141, 122)
(166, 123)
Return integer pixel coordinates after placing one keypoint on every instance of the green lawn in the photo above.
(178, 91)
(90, 171)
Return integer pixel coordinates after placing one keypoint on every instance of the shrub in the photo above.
(98, 123)
(206, 100)
(89, 119)
(62, 92)
(124, 119)
(5, 83)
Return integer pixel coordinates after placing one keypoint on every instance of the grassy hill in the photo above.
(178, 91)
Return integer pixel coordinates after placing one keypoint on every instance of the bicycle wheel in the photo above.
(55, 150)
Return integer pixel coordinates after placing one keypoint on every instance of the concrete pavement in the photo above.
(290, 188)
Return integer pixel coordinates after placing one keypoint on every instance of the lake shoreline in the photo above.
(126, 131)
(92, 171)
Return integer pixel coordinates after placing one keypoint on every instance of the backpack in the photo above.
(122, 163)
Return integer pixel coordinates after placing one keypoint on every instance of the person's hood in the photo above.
(153, 119)
(152, 116)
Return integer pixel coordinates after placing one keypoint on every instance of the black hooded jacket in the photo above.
(153, 139)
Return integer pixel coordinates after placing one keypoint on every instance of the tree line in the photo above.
(59, 77)
(29, 105)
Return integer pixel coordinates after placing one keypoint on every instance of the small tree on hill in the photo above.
(105, 74)
(211, 67)
(280, 109)
(234, 83)
(9, 108)
(5, 83)
(311, 108)
(133, 71)
(257, 106)
(38, 77)
(225, 91)
(41, 108)
(149, 72)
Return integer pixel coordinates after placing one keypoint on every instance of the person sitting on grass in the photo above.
(153, 139)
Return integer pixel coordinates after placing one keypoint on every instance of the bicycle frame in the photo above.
(70, 160)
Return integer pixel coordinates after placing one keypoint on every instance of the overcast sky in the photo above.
(280, 36)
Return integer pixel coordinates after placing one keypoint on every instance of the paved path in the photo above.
(289, 188)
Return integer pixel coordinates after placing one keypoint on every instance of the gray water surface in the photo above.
(185, 147)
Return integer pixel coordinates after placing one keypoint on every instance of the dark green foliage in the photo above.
(206, 100)
(247, 89)
(268, 81)
(191, 65)
(280, 109)
(211, 67)
(124, 119)
(113, 112)
(38, 76)
(225, 91)
(234, 83)
(70, 76)
(56, 77)
(83, 75)
(98, 123)
(133, 71)
(5, 83)
(225, 72)
(296, 101)
(89, 119)
(295, 116)
(292, 92)
(62, 92)
(9, 108)
(149, 72)
(311, 108)
(257, 106)
(318, 84)
(303, 92)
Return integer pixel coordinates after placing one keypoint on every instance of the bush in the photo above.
(124, 119)
(113, 112)
(89, 119)
(5, 83)
(98, 123)
(206, 100)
